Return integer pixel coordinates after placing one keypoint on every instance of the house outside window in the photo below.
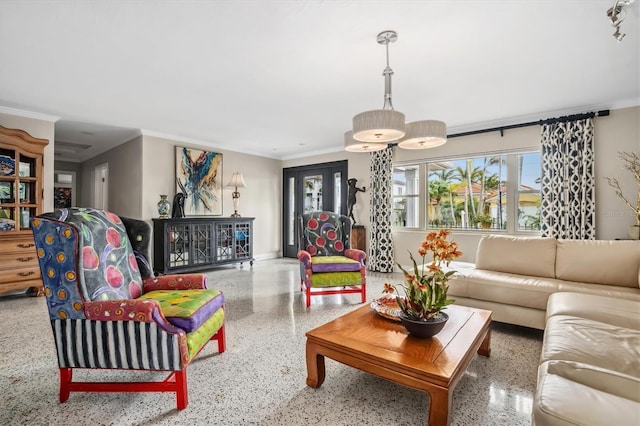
(492, 192)
(405, 207)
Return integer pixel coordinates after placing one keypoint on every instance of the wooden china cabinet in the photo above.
(20, 199)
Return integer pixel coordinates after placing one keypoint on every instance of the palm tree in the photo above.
(487, 182)
(439, 186)
(468, 176)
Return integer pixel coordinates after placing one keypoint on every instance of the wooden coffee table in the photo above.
(364, 340)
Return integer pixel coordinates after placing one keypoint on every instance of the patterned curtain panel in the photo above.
(380, 242)
(568, 182)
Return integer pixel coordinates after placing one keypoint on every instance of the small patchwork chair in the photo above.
(108, 311)
(328, 264)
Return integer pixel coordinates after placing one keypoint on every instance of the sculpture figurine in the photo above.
(178, 205)
(353, 190)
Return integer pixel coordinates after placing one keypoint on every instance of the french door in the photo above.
(317, 187)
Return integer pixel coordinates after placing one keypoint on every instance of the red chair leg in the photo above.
(221, 337)
(364, 293)
(182, 399)
(66, 375)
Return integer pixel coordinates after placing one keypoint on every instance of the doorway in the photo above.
(64, 189)
(316, 187)
(101, 195)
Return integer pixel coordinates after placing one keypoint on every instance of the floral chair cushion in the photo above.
(107, 266)
(325, 234)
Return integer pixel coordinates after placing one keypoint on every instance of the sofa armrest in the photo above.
(305, 258)
(175, 282)
(128, 310)
(356, 254)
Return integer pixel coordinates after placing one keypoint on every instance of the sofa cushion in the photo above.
(336, 279)
(517, 255)
(599, 262)
(500, 287)
(186, 309)
(592, 342)
(620, 296)
(334, 264)
(606, 403)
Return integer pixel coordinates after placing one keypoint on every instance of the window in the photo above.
(405, 197)
(529, 174)
(490, 192)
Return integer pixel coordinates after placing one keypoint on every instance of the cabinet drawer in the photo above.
(25, 245)
(18, 260)
(20, 274)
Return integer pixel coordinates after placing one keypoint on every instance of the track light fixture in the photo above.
(616, 15)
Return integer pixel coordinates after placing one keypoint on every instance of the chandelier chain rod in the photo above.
(387, 73)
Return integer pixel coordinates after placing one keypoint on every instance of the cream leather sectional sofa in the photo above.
(589, 372)
(585, 295)
(514, 276)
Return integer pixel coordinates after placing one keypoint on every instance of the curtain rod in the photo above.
(564, 119)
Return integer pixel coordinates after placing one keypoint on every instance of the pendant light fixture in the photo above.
(381, 125)
(384, 126)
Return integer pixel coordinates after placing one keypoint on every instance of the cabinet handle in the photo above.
(26, 245)
(26, 274)
(25, 259)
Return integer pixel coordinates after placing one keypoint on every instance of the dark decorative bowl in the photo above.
(424, 328)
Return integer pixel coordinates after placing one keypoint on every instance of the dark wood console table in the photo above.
(198, 243)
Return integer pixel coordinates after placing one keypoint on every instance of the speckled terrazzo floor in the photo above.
(260, 379)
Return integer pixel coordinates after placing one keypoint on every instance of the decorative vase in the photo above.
(424, 328)
(164, 206)
(634, 232)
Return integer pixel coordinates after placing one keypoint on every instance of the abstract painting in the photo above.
(198, 177)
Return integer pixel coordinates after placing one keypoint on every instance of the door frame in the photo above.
(101, 186)
(327, 170)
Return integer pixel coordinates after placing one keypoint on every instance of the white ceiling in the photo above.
(284, 78)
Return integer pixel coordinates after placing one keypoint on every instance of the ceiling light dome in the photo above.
(424, 134)
(352, 145)
(379, 125)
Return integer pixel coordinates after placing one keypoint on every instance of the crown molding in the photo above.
(627, 103)
(28, 114)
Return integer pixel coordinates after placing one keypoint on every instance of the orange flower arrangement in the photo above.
(426, 289)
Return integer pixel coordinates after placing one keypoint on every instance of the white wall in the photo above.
(126, 194)
(618, 132)
(43, 129)
(261, 199)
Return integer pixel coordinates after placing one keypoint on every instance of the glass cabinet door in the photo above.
(8, 193)
(224, 241)
(201, 238)
(27, 189)
(178, 245)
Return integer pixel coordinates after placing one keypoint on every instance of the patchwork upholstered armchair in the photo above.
(328, 264)
(107, 310)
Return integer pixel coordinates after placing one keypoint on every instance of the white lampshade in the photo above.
(380, 125)
(424, 134)
(237, 181)
(352, 145)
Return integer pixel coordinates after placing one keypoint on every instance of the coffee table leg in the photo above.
(315, 366)
(439, 407)
(484, 346)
